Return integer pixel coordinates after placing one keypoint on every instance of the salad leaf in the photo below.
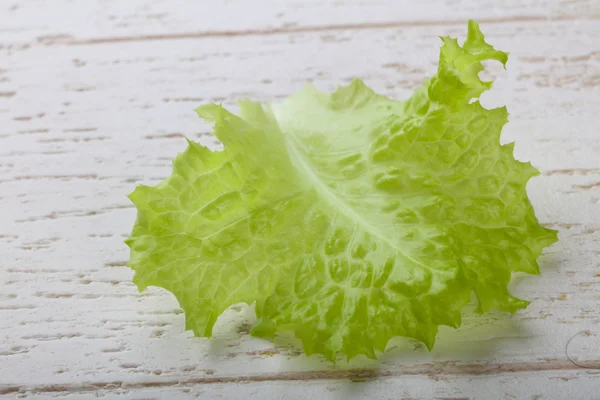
(347, 218)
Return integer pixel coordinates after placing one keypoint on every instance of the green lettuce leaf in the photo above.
(347, 218)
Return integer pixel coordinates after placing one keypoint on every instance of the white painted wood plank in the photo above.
(86, 123)
(41, 21)
(545, 386)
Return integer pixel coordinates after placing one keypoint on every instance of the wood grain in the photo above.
(42, 22)
(86, 117)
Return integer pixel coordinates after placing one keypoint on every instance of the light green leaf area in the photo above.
(347, 218)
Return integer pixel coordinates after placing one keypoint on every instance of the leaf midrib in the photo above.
(329, 196)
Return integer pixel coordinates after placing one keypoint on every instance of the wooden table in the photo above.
(96, 97)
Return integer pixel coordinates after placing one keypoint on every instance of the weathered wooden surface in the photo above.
(96, 97)
(113, 20)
